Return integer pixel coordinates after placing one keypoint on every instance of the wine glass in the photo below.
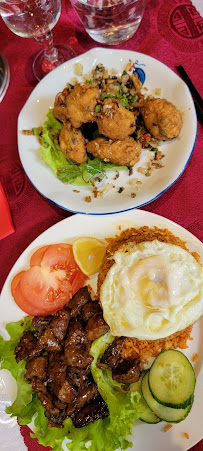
(36, 18)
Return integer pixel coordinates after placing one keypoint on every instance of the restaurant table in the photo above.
(172, 32)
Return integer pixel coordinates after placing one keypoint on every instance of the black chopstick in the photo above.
(197, 98)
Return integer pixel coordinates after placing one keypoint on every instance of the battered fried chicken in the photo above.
(80, 104)
(161, 118)
(115, 121)
(72, 144)
(123, 152)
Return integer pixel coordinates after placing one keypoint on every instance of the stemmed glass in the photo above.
(36, 18)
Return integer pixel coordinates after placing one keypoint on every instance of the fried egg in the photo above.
(153, 290)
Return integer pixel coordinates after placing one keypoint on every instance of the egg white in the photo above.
(153, 290)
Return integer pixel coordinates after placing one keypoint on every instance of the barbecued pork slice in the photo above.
(43, 395)
(67, 393)
(57, 365)
(79, 377)
(27, 347)
(37, 368)
(59, 323)
(48, 342)
(90, 309)
(78, 355)
(85, 396)
(96, 327)
(128, 371)
(78, 301)
(113, 355)
(90, 413)
(76, 334)
(40, 323)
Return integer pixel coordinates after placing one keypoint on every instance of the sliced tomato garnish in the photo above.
(78, 281)
(36, 258)
(19, 298)
(53, 278)
(57, 255)
(15, 282)
(45, 289)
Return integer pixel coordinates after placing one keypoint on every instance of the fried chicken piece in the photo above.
(124, 152)
(60, 113)
(161, 118)
(72, 144)
(80, 104)
(115, 121)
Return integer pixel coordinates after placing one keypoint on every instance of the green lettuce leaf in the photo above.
(65, 170)
(108, 434)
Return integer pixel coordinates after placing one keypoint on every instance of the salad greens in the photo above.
(65, 170)
(108, 434)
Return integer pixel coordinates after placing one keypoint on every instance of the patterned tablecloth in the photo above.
(172, 32)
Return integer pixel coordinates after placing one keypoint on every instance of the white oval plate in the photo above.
(177, 152)
(76, 226)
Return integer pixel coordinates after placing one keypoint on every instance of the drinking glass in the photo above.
(110, 21)
(36, 18)
(4, 76)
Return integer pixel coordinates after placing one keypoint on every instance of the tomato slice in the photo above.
(15, 282)
(36, 258)
(57, 255)
(78, 280)
(44, 289)
(19, 298)
(52, 279)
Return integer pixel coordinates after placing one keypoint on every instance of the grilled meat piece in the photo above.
(40, 323)
(78, 301)
(76, 334)
(78, 355)
(37, 368)
(59, 404)
(67, 392)
(56, 420)
(90, 309)
(85, 395)
(98, 409)
(127, 372)
(59, 323)
(48, 342)
(44, 396)
(78, 376)
(57, 352)
(27, 347)
(113, 355)
(57, 365)
(96, 327)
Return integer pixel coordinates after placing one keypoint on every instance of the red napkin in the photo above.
(6, 224)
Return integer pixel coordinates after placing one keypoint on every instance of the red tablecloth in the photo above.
(171, 31)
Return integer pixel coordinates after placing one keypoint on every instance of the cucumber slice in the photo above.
(147, 416)
(172, 379)
(165, 413)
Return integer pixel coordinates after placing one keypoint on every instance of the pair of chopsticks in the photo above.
(198, 101)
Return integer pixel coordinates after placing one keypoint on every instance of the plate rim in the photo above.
(95, 51)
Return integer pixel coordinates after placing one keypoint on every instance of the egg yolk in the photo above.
(148, 280)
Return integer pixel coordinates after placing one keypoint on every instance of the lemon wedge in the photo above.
(89, 254)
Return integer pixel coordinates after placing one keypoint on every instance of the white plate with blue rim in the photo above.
(121, 193)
